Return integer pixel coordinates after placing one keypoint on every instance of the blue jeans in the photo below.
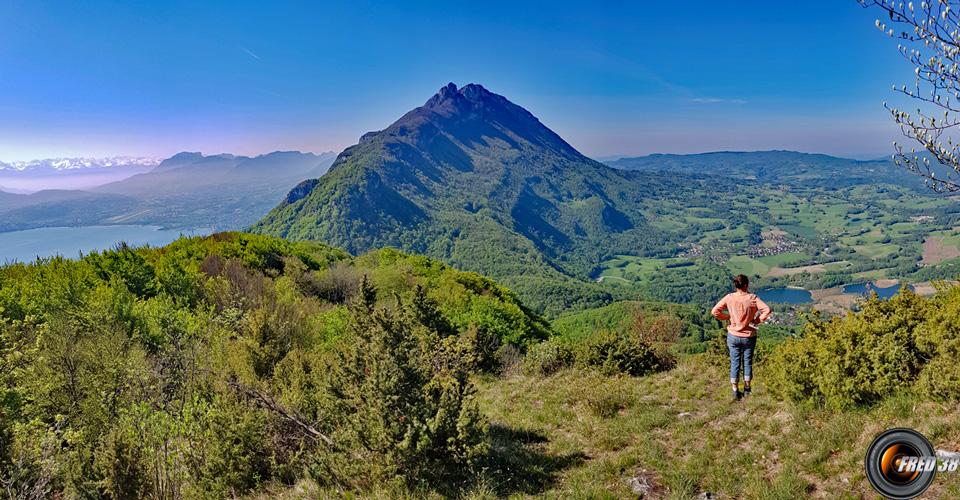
(741, 351)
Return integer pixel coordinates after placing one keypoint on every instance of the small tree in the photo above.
(400, 409)
(929, 34)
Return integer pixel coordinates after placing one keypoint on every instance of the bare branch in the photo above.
(268, 403)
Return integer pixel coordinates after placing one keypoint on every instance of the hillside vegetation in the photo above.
(244, 365)
(479, 182)
(214, 366)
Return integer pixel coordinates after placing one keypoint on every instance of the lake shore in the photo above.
(833, 300)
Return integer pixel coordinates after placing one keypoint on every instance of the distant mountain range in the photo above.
(69, 173)
(66, 164)
(188, 190)
(772, 167)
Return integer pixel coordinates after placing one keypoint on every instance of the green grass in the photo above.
(799, 230)
(785, 259)
(877, 250)
(589, 433)
(836, 266)
(741, 264)
(580, 434)
(904, 227)
(667, 224)
(632, 268)
(872, 275)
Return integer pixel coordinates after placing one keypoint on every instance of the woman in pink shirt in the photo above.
(745, 311)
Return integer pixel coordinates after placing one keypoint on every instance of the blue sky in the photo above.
(98, 78)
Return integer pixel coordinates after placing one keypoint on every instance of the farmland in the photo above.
(813, 237)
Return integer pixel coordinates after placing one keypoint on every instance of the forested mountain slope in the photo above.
(475, 180)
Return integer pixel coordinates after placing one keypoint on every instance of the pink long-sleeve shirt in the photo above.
(742, 309)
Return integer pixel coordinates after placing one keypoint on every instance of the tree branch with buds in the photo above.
(929, 35)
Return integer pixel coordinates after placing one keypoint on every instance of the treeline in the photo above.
(701, 286)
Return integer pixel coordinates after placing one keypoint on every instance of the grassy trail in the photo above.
(581, 434)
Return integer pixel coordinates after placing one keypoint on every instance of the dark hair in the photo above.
(740, 282)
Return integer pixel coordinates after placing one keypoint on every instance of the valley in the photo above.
(479, 182)
(794, 236)
(189, 190)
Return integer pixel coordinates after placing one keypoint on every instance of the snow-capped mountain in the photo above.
(63, 164)
(70, 173)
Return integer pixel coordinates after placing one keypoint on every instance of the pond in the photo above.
(866, 288)
(25, 246)
(785, 295)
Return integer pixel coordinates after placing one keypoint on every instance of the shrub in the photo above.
(623, 352)
(548, 357)
(940, 379)
(510, 360)
(855, 360)
(338, 284)
(210, 367)
(400, 410)
(608, 401)
(793, 370)
(127, 265)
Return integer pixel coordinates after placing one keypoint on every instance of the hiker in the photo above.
(741, 308)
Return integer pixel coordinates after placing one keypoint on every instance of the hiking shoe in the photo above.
(746, 392)
(737, 395)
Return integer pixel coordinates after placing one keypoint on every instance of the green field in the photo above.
(863, 231)
(741, 264)
(629, 268)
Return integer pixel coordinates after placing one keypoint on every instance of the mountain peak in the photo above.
(450, 98)
(472, 116)
(479, 175)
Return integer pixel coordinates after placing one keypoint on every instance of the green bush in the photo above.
(400, 409)
(623, 352)
(857, 359)
(548, 357)
(608, 402)
(210, 368)
(940, 379)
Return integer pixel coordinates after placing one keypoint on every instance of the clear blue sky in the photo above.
(100, 78)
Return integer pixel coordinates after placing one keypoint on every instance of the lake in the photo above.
(785, 295)
(866, 288)
(27, 245)
(799, 296)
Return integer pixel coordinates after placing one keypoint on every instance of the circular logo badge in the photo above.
(900, 464)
